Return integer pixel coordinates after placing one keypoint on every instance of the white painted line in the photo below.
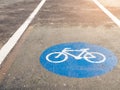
(5, 50)
(107, 12)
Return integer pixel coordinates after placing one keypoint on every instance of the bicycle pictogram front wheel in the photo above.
(56, 57)
(95, 57)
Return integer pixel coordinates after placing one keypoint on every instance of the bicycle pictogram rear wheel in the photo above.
(56, 57)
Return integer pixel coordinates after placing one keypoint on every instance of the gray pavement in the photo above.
(12, 15)
(4, 3)
(61, 21)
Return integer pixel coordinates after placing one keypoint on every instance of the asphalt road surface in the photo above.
(62, 21)
(12, 15)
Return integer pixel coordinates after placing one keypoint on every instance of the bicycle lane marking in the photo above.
(78, 60)
(5, 50)
(108, 13)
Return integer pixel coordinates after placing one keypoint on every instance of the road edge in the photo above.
(8, 46)
(108, 13)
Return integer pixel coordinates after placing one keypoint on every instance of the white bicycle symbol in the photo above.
(59, 57)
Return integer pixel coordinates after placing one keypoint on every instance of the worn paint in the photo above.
(78, 60)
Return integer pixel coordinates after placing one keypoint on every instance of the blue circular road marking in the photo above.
(78, 60)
